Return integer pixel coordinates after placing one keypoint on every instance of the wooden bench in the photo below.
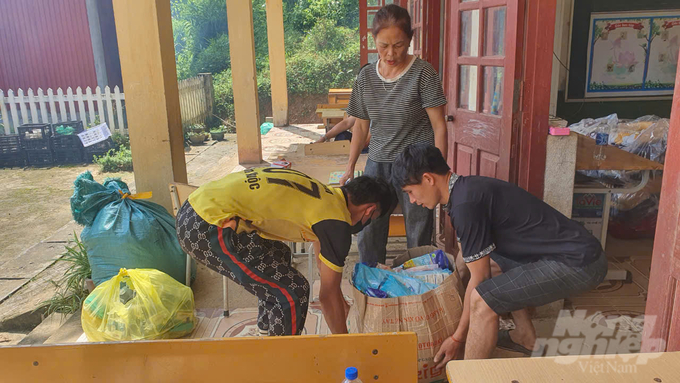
(658, 367)
(388, 357)
(331, 114)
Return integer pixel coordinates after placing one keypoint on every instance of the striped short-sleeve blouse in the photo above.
(396, 107)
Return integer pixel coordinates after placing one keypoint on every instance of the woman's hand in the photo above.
(321, 139)
(348, 176)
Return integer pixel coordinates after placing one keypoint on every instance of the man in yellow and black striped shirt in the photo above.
(234, 226)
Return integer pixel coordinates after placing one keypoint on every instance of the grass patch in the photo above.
(71, 289)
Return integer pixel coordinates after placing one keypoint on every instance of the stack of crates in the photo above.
(99, 149)
(11, 154)
(35, 141)
(67, 149)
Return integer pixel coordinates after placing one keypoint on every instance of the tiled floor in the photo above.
(617, 305)
(614, 310)
(243, 321)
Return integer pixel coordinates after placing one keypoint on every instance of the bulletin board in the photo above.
(632, 54)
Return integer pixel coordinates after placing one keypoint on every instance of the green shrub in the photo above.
(121, 140)
(115, 161)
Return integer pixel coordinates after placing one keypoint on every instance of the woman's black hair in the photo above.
(392, 15)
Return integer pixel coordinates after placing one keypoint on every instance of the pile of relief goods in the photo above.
(414, 277)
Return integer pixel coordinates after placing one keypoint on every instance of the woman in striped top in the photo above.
(402, 100)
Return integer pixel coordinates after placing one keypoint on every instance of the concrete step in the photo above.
(46, 329)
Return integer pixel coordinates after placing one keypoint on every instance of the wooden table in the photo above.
(659, 367)
(339, 96)
(614, 159)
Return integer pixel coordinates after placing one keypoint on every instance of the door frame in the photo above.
(663, 297)
(533, 120)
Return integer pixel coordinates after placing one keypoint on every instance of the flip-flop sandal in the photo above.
(505, 342)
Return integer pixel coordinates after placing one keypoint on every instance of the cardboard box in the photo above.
(433, 316)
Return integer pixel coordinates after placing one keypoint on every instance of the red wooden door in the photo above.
(481, 66)
(662, 314)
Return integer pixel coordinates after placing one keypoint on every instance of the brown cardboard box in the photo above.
(433, 316)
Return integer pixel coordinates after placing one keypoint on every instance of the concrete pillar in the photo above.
(97, 43)
(244, 80)
(147, 60)
(560, 166)
(277, 62)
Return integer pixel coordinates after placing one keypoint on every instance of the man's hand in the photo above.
(449, 350)
(383, 267)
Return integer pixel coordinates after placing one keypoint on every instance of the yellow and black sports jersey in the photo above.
(280, 204)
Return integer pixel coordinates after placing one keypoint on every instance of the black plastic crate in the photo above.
(10, 144)
(13, 160)
(66, 143)
(39, 157)
(68, 156)
(76, 125)
(98, 149)
(35, 136)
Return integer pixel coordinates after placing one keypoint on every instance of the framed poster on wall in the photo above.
(633, 54)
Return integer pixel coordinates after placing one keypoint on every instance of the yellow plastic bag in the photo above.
(138, 304)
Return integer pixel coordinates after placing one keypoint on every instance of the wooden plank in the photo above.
(109, 109)
(62, 106)
(100, 104)
(390, 357)
(13, 110)
(22, 106)
(119, 108)
(90, 103)
(53, 106)
(32, 101)
(328, 148)
(71, 105)
(659, 367)
(397, 226)
(339, 91)
(4, 115)
(331, 106)
(331, 113)
(81, 106)
(615, 158)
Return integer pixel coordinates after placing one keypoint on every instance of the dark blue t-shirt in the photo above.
(493, 215)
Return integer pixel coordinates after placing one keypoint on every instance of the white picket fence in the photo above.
(195, 96)
(50, 108)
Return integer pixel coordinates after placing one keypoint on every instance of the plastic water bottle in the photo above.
(351, 375)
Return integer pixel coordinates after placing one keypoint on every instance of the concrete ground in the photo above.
(37, 223)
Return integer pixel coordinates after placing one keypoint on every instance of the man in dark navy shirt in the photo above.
(520, 251)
